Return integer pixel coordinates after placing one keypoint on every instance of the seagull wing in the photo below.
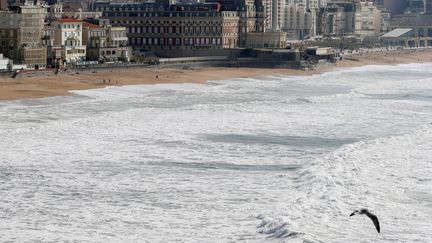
(374, 219)
(354, 213)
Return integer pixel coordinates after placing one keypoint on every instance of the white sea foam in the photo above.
(276, 158)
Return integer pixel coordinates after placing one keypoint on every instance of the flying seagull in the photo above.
(372, 216)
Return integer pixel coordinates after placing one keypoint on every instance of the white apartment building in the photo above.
(299, 22)
(278, 12)
(275, 10)
(367, 20)
(117, 36)
(68, 35)
(268, 14)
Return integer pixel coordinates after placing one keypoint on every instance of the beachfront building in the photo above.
(421, 26)
(106, 43)
(21, 30)
(398, 37)
(276, 39)
(367, 20)
(335, 20)
(278, 14)
(174, 30)
(68, 38)
(299, 22)
(5, 63)
(275, 11)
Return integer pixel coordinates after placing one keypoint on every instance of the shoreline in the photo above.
(63, 84)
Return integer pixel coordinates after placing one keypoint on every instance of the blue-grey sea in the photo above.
(265, 159)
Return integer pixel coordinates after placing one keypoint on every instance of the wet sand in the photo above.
(62, 84)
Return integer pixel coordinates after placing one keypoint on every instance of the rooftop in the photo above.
(69, 20)
(397, 32)
(91, 26)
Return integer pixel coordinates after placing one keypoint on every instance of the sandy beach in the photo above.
(60, 85)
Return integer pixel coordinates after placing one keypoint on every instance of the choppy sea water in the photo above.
(268, 159)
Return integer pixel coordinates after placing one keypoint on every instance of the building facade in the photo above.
(427, 6)
(266, 40)
(106, 43)
(299, 22)
(185, 29)
(421, 24)
(309, 4)
(21, 31)
(367, 20)
(332, 21)
(68, 36)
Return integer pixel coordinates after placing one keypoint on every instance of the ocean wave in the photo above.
(362, 174)
(276, 228)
